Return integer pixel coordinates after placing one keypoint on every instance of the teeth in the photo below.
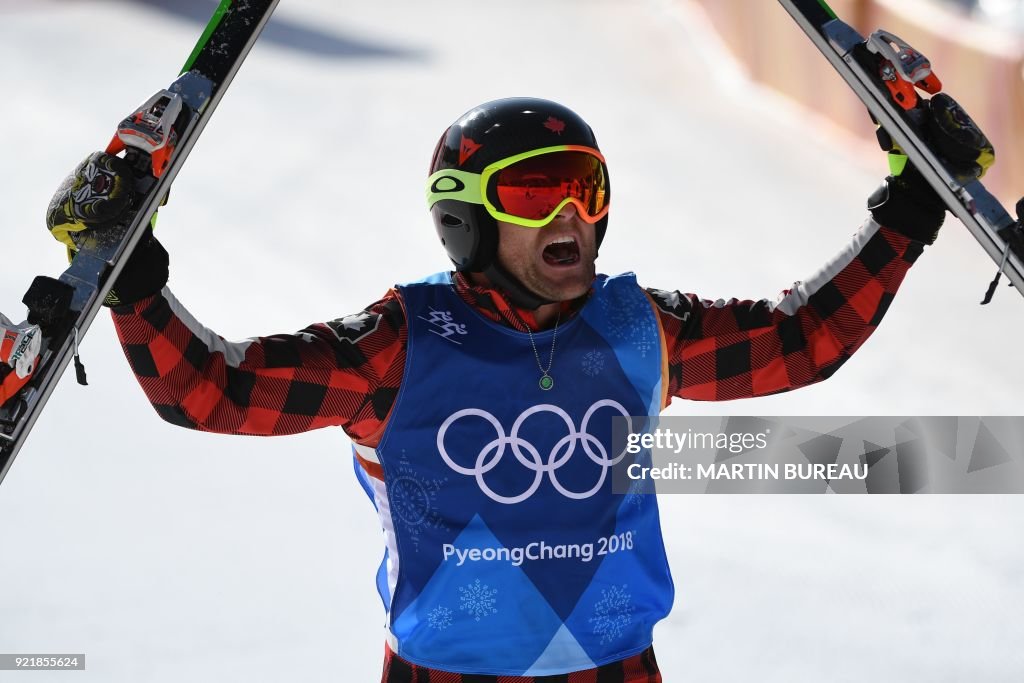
(563, 240)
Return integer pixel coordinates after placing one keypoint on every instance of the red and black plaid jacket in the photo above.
(347, 372)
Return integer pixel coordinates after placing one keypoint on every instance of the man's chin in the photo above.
(567, 287)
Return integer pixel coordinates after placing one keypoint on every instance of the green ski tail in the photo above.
(218, 14)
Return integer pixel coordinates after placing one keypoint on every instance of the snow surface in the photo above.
(166, 555)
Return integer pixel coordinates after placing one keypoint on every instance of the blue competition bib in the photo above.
(507, 552)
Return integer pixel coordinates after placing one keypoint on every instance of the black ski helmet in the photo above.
(486, 134)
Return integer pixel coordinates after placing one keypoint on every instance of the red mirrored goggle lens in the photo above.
(534, 187)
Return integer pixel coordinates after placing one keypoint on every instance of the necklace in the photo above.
(546, 381)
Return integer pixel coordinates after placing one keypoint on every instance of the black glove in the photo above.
(905, 202)
(145, 272)
(95, 195)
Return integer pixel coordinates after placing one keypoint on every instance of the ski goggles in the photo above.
(529, 189)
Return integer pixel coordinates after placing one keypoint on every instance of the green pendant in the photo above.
(546, 382)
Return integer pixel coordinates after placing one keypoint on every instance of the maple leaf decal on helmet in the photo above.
(554, 125)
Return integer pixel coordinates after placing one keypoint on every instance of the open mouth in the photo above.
(562, 252)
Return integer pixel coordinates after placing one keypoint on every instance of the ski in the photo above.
(156, 138)
(886, 74)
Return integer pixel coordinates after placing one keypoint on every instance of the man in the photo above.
(480, 401)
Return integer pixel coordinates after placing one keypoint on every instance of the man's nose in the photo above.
(568, 211)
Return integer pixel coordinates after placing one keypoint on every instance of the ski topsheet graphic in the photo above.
(888, 76)
(155, 139)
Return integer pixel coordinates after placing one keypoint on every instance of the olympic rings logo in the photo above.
(528, 455)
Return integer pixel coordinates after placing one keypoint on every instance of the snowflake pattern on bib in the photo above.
(613, 613)
(414, 501)
(439, 618)
(478, 599)
(593, 363)
(631, 322)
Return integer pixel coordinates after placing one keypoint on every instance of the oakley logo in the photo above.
(447, 183)
(442, 320)
(528, 455)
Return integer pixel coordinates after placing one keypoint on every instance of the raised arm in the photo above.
(722, 350)
(341, 373)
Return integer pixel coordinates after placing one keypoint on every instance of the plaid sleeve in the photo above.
(344, 372)
(723, 350)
